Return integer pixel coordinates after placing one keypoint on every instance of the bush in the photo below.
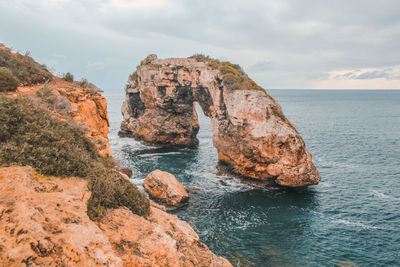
(84, 83)
(68, 77)
(234, 77)
(8, 82)
(23, 67)
(110, 190)
(31, 136)
(132, 80)
(92, 87)
(45, 91)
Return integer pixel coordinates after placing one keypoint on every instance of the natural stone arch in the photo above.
(252, 136)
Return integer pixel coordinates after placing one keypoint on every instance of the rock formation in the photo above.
(253, 137)
(165, 187)
(43, 222)
(82, 105)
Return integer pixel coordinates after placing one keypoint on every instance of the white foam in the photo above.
(355, 224)
(384, 196)
(158, 154)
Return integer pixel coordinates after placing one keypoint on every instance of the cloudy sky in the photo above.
(288, 44)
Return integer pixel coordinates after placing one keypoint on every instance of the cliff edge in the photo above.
(43, 222)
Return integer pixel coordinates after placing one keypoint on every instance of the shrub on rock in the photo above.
(8, 82)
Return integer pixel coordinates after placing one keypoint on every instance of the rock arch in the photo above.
(252, 136)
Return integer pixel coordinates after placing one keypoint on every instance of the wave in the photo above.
(384, 196)
(158, 154)
(356, 224)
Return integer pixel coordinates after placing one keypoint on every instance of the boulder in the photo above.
(166, 188)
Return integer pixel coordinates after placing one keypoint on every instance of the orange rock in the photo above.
(87, 107)
(43, 222)
(165, 187)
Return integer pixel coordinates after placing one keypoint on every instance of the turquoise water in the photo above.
(352, 215)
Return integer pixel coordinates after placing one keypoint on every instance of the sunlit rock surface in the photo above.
(166, 188)
(43, 222)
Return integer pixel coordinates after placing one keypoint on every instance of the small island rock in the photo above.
(165, 187)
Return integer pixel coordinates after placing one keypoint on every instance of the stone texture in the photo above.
(43, 222)
(253, 138)
(161, 240)
(165, 187)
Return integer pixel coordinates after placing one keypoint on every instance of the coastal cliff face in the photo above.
(74, 102)
(44, 223)
(253, 137)
(80, 102)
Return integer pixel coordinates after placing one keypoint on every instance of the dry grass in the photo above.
(8, 82)
(23, 67)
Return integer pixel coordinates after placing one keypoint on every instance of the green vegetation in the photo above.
(8, 82)
(31, 136)
(109, 190)
(234, 77)
(68, 77)
(23, 67)
(132, 80)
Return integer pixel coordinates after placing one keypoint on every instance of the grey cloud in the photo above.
(303, 39)
(365, 75)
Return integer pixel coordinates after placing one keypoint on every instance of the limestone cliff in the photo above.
(44, 223)
(71, 101)
(253, 137)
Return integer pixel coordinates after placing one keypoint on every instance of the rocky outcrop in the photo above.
(253, 137)
(166, 188)
(43, 222)
(85, 106)
(161, 240)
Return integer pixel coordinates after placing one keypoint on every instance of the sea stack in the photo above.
(253, 137)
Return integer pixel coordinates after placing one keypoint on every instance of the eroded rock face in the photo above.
(165, 187)
(253, 137)
(161, 240)
(84, 106)
(43, 222)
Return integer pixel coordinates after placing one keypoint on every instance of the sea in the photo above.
(351, 216)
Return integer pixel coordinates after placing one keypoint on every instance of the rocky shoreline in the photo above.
(45, 220)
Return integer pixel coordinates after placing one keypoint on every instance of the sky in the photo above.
(285, 44)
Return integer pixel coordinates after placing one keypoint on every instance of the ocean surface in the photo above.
(352, 215)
